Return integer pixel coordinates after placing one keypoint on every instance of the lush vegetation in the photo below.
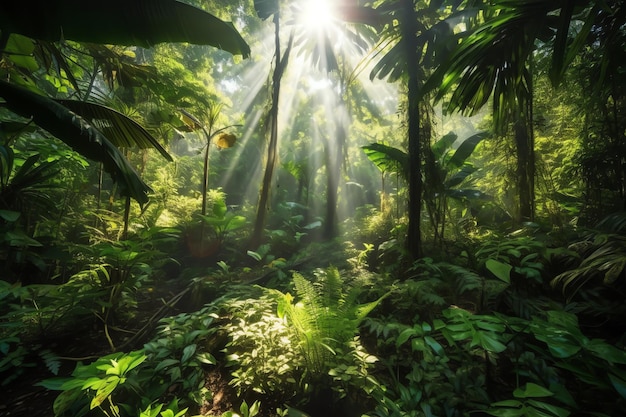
(362, 208)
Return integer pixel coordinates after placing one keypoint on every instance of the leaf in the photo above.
(119, 129)
(388, 158)
(619, 384)
(103, 393)
(225, 140)
(65, 400)
(607, 352)
(207, 358)
(78, 134)
(405, 335)
(188, 352)
(165, 363)
(532, 390)
(501, 270)
(244, 409)
(254, 255)
(552, 410)
(120, 22)
(442, 145)
(465, 150)
(51, 360)
(266, 8)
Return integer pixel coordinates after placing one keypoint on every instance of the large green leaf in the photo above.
(465, 149)
(119, 129)
(75, 131)
(120, 22)
(388, 158)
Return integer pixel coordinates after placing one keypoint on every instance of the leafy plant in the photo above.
(325, 318)
(143, 381)
(92, 386)
(482, 331)
(245, 410)
(157, 410)
(222, 221)
(518, 263)
(179, 351)
(530, 402)
(602, 262)
(436, 285)
(259, 351)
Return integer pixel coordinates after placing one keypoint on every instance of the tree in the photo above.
(266, 9)
(145, 23)
(418, 39)
(494, 60)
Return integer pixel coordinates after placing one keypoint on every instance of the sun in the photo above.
(317, 14)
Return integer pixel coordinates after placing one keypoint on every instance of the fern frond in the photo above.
(464, 279)
(331, 290)
(325, 318)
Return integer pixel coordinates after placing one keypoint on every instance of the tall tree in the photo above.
(145, 23)
(266, 9)
(494, 60)
(415, 42)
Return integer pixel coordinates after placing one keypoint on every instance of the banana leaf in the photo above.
(388, 158)
(120, 22)
(78, 133)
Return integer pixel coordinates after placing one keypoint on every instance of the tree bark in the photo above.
(409, 37)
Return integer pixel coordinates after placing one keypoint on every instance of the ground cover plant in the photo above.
(312, 208)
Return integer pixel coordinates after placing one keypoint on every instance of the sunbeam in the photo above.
(321, 121)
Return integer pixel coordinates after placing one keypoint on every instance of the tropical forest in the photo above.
(313, 208)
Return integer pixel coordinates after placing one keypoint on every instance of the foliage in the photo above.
(147, 24)
(141, 381)
(92, 386)
(260, 352)
(179, 353)
(325, 318)
(529, 402)
(601, 259)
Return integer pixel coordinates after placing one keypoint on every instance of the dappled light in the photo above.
(312, 208)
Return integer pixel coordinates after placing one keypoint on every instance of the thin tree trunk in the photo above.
(272, 147)
(333, 168)
(205, 177)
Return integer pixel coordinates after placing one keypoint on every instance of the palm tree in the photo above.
(136, 22)
(411, 48)
(494, 59)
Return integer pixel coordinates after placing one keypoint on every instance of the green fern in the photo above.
(326, 317)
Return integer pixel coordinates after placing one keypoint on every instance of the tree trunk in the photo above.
(409, 37)
(272, 147)
(205, 175)
(333, 167)
(525, 168)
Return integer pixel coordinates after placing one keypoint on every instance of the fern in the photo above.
(603, 263)
(326, 317)
(51, 360)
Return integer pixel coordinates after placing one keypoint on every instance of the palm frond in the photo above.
(76, 132)
(119, 129)
(603, 263)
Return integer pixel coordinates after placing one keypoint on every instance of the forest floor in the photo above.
(23, 397)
